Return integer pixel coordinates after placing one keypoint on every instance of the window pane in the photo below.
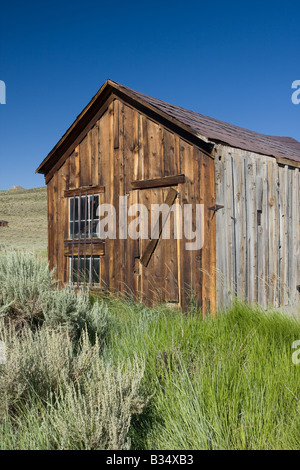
(95, 229)
(71, 218)
(73, 226)
(89, 270)
(84, 270)
(74, 270)
(73, 214)
(83, 208)
(85, 229)
(76, 227)
(95, 270)
(76, 208)
(94, 204)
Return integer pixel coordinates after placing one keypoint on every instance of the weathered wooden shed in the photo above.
(127, 144)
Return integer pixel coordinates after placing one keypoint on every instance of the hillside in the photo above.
(26, 212)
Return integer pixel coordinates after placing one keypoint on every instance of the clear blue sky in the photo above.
(232, 60)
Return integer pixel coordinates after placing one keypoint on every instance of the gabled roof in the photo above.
(199, 126)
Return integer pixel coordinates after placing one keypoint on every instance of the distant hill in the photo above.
(16, 188)
(26, 212)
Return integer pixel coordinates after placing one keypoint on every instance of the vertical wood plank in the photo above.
(94, 155)
(221, 252)
(273, 235)
(170, 160)
(251, 226)
(85, 161)
(240, 222)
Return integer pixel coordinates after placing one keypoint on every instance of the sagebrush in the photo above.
(56, 389)
(79, 373)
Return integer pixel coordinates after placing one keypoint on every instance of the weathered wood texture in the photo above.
(258, 230)
(125, 146)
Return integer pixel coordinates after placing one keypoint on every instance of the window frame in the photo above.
(87, 259)
(88, 222)
(87, 245)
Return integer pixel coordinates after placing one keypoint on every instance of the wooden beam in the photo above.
(158, 182)
(116, 124)
(288, 161)
(150, 248)
(81, 248)
(84, 190)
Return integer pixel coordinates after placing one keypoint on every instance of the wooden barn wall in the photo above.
(258, 230)
(123, 146)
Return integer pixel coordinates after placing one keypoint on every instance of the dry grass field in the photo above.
(26, 212)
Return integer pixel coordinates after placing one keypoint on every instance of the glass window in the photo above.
(83, 217)
(85, 270)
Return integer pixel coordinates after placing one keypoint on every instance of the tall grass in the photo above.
(219, 383)
(79, 374)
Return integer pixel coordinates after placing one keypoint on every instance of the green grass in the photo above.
(26, 212)
(217, 383)
(81, 371)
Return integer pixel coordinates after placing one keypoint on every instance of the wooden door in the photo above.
(159, 260)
